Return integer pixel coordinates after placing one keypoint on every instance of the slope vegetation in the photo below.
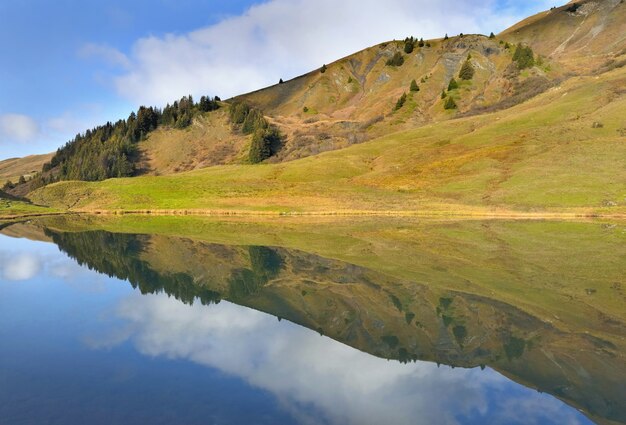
(582, 36)
(533, 157)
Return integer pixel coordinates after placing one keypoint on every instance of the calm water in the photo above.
(103, 328)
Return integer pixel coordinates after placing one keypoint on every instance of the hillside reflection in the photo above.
(390, 317)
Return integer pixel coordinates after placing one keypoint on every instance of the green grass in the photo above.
(10, 209)
(540, 156)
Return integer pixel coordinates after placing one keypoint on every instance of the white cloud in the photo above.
(104, 52)
(285, 38)
(17, 128)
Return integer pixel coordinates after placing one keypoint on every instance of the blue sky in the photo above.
(68, 65)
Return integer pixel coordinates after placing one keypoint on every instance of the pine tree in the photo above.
(400, 102)
(414, 86)
(323, 69)
(452, 85)
(443, 94)
(396, 60)
(446, 37)
(409, 45)
(259, 149)
(467, 71)
(492, 35)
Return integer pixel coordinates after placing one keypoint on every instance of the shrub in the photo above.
(323, 69)
(414, 86)
(443, 94)
(452, 85)
(573, 8)
(524, 56)
(450, 103)
(305, 109)
(396, 60)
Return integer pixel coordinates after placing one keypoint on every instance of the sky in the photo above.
(70, 65)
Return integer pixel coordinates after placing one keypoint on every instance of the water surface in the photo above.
(123, 328)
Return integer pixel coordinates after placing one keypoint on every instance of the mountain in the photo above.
(535, 126)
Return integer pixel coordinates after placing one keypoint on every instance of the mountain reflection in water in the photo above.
(414, 319)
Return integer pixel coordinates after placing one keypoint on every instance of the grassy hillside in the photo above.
(582, 36)
(562, 150)
(11, 169)
(354, 99)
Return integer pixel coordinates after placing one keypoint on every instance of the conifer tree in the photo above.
(467, 71)
(409, 45)
(450, 103)
(259, 148)
(396, 60)
(400, 102)
(452, 85)
(414, 86)
(524, 56)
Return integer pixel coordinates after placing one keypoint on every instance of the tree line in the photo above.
(110, 150)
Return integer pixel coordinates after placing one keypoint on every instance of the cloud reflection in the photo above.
(24, 260)
(19, 267)
(318, 379)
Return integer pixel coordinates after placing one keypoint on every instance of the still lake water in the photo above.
(106, 328)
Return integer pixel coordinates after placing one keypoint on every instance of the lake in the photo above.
(182, 320)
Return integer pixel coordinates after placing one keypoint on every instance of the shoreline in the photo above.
(493, 215)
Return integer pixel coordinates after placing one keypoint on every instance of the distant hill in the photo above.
(11, 169)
